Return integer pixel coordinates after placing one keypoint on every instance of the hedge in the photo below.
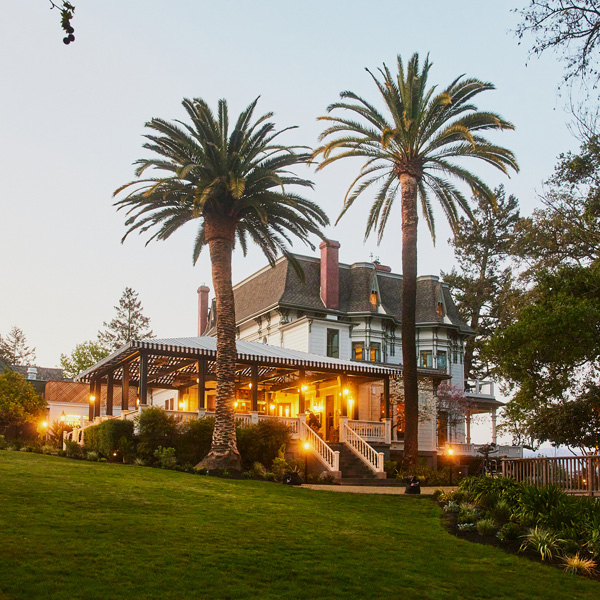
(104, 437)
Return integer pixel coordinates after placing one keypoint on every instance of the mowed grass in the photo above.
(72, 529)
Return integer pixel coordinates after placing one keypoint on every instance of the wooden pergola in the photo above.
(176, 363)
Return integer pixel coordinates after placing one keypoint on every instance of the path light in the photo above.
(450, 452)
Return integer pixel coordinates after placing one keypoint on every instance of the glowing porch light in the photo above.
(181, 405)
(346, 392)
(235, 404)
(287, 412)
(92, 399)
(306, 446)
(272, 407)
(450, 451)
(45, 424)
(250, 385)
(304, 388)
(63, 416)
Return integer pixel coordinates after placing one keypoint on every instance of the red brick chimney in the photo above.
(202, 308)
(330, 273)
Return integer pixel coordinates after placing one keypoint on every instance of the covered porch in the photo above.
(322, 400)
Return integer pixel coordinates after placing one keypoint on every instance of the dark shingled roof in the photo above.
(281, 285)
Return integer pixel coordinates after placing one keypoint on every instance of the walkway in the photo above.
(366, 489)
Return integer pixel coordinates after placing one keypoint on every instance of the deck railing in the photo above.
(372, 431)
(574, 474)
(373, 459)
(327, 456)
(473, 450)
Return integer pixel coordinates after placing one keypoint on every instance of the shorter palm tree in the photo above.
(234, 184)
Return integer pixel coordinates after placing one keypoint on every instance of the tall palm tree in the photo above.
(410, 149)
(234, 185)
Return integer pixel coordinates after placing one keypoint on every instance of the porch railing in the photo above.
(373, 459)
(473, 450)
(573, 474)
(327, 456)
(372, 431)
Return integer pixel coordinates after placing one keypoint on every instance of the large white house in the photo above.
(354, 312)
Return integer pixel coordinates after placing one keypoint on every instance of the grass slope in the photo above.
(73, 530)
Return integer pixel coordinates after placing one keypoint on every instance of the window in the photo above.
(358, 349)
(426, 359)
(333, 343)
(374, 299)
(375, 352)
(440, 309)
(441, 360)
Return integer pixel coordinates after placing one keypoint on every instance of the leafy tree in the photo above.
(14, 349)
(410, 149)
(19, 403)
(575, 424)
(482, 247)
(566, 231)
(568, 26)
(82, 357)
(129, 324)
(553, 347)
(234, 184)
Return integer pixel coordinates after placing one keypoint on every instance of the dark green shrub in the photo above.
(194, 439)
(165, 457)
(485, 527)
(105, 437)
(247, 475)
(509, 532)
(61, 453)
(391, 467)
(270, 477)
(3, 443)
(500, 512)
(437, 494)
(156, 428)
(262, 442)
(72, 450)
(200, 470)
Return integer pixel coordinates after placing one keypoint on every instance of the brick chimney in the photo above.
(202, 308)
(330, 274)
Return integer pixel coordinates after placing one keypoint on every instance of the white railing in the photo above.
(574, 474)
(373, 459)
(473, 450)
(292, 422)
(328, 457)
(479, 387)
(372, 431)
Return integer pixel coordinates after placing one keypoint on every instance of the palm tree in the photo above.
(410, 149)
(234, 184)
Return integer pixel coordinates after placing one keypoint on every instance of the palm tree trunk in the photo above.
(410, 219)
(220, 236)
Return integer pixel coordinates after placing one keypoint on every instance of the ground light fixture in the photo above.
(450, 453)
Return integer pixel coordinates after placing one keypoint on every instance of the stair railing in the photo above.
(327, 456)
(373, 459)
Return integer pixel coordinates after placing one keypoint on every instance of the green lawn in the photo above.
(72, 529)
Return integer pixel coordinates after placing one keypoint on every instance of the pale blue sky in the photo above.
(71, 121)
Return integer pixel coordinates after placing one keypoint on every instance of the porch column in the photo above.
(343, 382)
(494, 426)
(201, 369)
(468, 418)
(98, 395)
(109, 394)
(92, 402)
(125, 388)
(254, 388)
(143, 389)
(301, 399)
(386, 396)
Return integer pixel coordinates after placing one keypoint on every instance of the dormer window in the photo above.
(440, 309)
(374, 299)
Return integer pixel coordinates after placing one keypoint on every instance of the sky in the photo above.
(72, 120)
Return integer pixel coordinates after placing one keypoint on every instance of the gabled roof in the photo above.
(281, 286)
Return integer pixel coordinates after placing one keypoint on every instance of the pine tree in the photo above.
(129, 324)
(483, 280)
(14, 349)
